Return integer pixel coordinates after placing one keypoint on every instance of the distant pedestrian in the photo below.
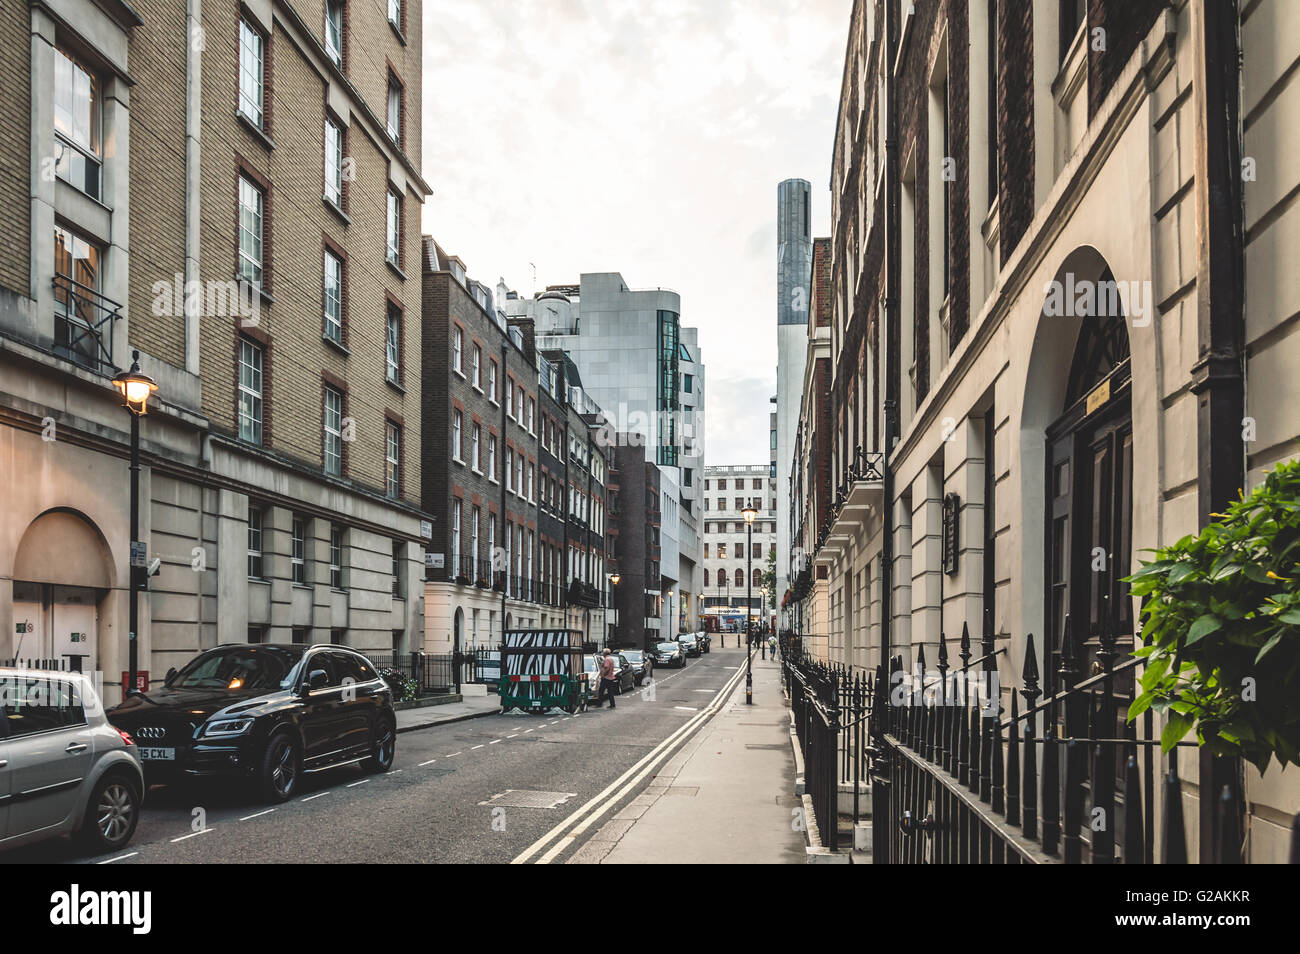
(607, 680)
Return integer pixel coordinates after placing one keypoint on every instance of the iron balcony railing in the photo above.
(83, 324)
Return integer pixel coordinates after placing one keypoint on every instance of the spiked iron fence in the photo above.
(959, 776)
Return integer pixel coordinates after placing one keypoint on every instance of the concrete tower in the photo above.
(793, 271)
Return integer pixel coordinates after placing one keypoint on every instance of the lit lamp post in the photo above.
(672, 624)
(749, 513)
(135, 387)
(613, 582)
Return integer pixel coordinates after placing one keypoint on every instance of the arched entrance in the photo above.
(62, 571)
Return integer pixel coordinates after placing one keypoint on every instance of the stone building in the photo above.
(233, 192)
(1047, 220)
(728, 489)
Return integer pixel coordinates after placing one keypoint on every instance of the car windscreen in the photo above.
(634, 656)
(667, 647)
(591, 665)
(238, 668)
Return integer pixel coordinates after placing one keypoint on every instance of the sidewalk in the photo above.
(469, 708)
(725, 798)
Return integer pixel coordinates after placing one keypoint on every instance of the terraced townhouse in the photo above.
(996, 164)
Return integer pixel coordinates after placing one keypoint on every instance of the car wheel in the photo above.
(111, 814)
(281, 766)
(385, 748)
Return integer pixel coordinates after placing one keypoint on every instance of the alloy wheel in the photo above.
(115, 811)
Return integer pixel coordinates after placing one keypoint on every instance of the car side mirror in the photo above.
(316, 679)
(171, 674)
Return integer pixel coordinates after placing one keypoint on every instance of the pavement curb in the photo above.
(447, 721)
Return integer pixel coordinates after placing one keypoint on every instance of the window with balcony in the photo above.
(83, 318)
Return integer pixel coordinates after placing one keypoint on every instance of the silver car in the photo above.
(63, 768)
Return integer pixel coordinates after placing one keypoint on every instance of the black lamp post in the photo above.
(135, 387)
(749, 513)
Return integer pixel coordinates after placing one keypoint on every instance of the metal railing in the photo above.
(957, 776)
(83, 324)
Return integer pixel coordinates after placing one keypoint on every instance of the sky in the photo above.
(645, 137)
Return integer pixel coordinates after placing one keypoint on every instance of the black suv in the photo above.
(264, 712)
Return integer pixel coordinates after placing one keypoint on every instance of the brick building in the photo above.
(480, 480)
(236, 197)
(993, 160)
(635, 551)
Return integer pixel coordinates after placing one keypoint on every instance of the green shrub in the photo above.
(1221, 628)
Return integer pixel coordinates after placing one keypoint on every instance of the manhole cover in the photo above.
(514, 798)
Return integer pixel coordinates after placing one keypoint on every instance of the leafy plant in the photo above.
(1221, 628)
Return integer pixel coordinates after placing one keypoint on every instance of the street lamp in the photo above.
(671, 619)
(135, 387)
(749, 513)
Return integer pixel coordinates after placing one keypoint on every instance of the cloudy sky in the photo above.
(640, 136)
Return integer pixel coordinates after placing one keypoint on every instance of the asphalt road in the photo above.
(446, 798)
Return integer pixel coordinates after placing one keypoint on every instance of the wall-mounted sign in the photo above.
(435, 561)
(1099, 396)
(951, 505)
(139, 553)
(426, 529)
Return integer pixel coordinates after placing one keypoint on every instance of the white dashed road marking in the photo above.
(119, 858)
(423, 764)
(257, 815)
(317, 795)
(191, 835)
(355, 784)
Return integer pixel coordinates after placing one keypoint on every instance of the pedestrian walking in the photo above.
(607, 680)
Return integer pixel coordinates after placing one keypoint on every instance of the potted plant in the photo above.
(1221, 628)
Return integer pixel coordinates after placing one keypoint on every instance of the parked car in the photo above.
(624, 678)
(266, 713)
(705, 641)
(63, 768)
(689, 644)
(670, 654)
(643, 664)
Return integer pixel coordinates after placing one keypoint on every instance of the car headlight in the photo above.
(226, 728)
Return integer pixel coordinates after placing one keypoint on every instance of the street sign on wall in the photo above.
(951, 507)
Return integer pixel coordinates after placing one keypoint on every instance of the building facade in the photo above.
(639, 600)
(793, 258)
(732, 572)
(631, 349)
(234, 194)
(1044, 229)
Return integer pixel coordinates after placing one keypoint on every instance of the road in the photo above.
(446, 799)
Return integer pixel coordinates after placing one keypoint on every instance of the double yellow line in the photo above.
(573, 827)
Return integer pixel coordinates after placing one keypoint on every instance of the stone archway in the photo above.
(63, 569)
(1067, 308)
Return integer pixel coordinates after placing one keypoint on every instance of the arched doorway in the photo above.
(63, 569)
(1089, 491)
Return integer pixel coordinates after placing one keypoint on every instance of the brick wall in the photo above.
(299, 220)
(15, 146)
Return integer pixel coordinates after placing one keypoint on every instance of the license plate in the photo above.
(158, 755)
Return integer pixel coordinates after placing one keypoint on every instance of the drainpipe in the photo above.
(505, 524)
(1217, 376)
